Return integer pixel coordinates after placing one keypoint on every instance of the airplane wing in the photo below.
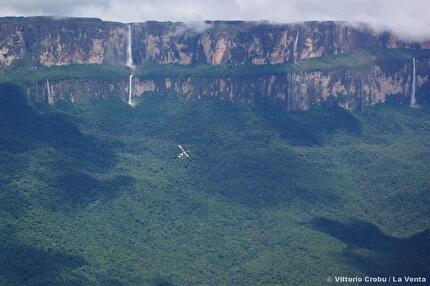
(182, 149)
(184, 153)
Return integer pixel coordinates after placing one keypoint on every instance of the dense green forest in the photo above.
(92, 193)
(29, 72)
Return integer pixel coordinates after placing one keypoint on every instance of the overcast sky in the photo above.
(407, 18)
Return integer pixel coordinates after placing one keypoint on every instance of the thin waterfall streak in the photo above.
(413, 100)
(129, 49)
(295, 53)
(48, 89)
(131, 65)
(130, 90)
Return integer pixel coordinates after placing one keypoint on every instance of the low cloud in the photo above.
(407, 19)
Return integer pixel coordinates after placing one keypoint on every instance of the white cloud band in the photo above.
(406, 18)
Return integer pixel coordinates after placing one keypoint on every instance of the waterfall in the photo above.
(130, 90)
(295, 47)
(413, 100)
(50, 95)
(129, 51)
(130, 64)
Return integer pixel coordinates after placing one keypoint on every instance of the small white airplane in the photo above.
(184, 154)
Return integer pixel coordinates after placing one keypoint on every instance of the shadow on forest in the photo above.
(79, 189)
(25, 129)
(262, 178)
(160, 282)
(391, 255)
(312, 127)
(22, 264)
(12, 203)
(138, 281)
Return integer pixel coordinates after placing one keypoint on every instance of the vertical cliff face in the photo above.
(252, 43)
(351, 89)
(56, 42)
(48, 41)
(12, 44)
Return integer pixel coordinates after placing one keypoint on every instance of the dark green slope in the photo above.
(92, 193)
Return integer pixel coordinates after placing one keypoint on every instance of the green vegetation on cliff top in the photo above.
(357, 59)
(27, 74)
